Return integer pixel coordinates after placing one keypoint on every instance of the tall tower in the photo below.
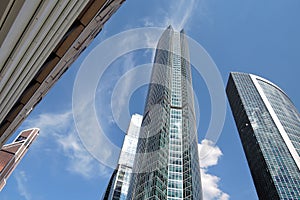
(11, 154)
(269, 127)
(166, 163)
(117, 188)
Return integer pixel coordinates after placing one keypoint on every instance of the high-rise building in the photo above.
(39, 41)
(269, 127)
(11, 154)
(166, 162)
(117, 188)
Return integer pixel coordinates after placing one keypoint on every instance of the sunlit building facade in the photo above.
(118, 186)
(39, 40)
(269, 127)
(11, 154)
(166, 162)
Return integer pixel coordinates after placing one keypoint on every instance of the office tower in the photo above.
(39, 41)
(11, 154)
(166, 162)
(118, 185)
(269, 127)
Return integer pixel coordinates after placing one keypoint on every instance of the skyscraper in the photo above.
(117, 188)
(269, 127)
(166, 162)
(11, 154)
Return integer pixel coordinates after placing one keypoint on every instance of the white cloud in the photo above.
(113, 104)
(211, 188)
(208, 153)
(209, 156)
(59, 128)
(148, 22)
(21, 179)
(51, 123)
(178, 14)
(80, 161)
(120, 103)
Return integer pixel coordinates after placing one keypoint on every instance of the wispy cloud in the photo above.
(112, 110)
(120, 73)
(80, 161)
(21, 179)
(210, 183)
(121, 102)
(178, 14)
(59, 129)
(51, 123)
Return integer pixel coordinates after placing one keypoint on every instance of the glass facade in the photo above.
(167, 162)
(119, 183)
(269, 128)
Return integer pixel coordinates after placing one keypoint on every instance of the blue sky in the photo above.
(259, 37)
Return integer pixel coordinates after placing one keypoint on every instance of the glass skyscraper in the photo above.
(269, 127)
(166, 162)
(117, 188)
